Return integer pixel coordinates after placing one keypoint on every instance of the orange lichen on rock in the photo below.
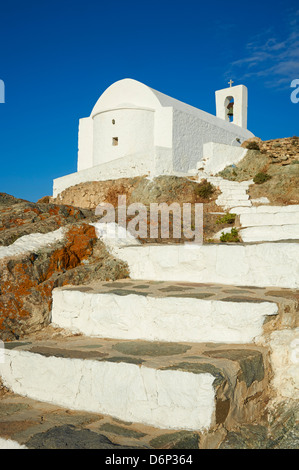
(26, 283)
(79, 245)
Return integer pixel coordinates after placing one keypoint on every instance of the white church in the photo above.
(134, 130)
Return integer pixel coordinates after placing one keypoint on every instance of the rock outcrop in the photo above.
(142, 190)
(278, 159)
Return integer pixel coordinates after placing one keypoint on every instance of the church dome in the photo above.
(136, 93)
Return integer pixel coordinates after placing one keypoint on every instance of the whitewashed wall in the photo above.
(85, 144)
(125, 167)
(284, 346)
(218, 156)
(191, 132)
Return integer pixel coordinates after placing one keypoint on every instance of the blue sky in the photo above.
(57, 57)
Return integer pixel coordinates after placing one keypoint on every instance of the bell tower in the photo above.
(231, 104)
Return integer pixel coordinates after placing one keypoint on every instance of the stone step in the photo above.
(265, 233)
(234, 190)
(166, 385)
(266, 209)
(221, 201)
(233, 186)
(230, 184)
(270, 233)
(233, 200)
(163, 311)
(219, 180)
(231, 197)
(38, 425)
(260, 264)
(228, 204)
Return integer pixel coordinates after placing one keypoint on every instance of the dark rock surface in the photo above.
(45, 426)
(69, 437)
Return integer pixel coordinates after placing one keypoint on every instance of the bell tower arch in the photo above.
(231, 104)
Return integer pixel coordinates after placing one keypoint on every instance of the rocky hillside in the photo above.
(30, 270)
(140, 189)
(31, 266)
(274, 167)
(162, 189)
(46, 245)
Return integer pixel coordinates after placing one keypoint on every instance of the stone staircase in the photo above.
(268, 223)
(233, 193)
(258, 223)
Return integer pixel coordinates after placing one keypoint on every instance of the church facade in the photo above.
(134, 130)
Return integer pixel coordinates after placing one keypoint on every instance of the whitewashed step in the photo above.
(270, 233)
(228, 204)
(235, 191)
(268, 223)
(266, 209)
(232, 201)
(233, 187)
(265, 233)
(226, 185)
(166, 385)
(232, 197)
(232, 194)
(219, 180)
(262, 219)
(161, 312)
(261, 264)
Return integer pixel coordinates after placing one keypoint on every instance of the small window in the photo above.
(113, 121)
(114, 141)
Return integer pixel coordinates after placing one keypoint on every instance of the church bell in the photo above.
(230, 112)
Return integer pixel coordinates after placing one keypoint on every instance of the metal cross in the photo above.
(230, 82)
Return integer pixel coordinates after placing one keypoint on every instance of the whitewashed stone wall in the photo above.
(125, 167)
(192, 131)
(284, 346)
(134, 129)
(85, 144)
(163, 398)
(219, 156)
(265, 264)
(159, 319)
